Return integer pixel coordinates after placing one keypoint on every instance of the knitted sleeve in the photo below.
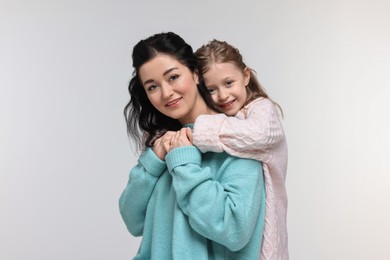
(134, 199)
(249, 137)
(225, 209)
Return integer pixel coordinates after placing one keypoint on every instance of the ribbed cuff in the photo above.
(153, 165)
(183, 155)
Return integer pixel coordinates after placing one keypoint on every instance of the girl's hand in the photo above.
(163, 144)
(181, 138)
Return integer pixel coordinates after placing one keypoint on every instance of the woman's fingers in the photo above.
(166, 144)
(158, 149)
(189, 134)
(162, 145)
(180, 139)
(171, 140)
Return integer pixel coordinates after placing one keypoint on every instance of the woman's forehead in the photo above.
(159, 66)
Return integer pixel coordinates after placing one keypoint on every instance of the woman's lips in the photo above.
(173, 102)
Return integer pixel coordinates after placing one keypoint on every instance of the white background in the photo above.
(65, 156)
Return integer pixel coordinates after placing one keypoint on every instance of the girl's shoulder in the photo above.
(260, 101)
(255, 106)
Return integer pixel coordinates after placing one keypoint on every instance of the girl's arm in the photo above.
(134, 199)
(225, 208)
(249, 137)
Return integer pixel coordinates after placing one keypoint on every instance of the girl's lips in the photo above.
(225, 105)
(173, 102)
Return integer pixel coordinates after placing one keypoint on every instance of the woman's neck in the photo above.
(200, 108)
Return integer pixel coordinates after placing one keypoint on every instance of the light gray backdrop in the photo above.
(65, 156)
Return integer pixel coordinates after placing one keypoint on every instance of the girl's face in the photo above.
(227, 86)
(172, 88)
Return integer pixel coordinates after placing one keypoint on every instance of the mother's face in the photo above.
(171, 87)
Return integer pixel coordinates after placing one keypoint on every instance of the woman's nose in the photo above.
(166, 90)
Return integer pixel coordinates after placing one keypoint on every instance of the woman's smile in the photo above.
(172, 88)
(174, 103)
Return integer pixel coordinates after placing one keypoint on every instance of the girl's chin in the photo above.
(231, 111)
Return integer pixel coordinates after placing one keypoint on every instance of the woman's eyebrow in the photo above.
(165, 73)
(169, 70)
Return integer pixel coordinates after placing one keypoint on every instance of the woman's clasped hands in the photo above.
(171, 140)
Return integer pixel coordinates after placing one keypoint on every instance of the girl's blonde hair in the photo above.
(221, 52)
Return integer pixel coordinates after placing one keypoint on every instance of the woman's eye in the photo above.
(173, 77)
(151, 87)
(229, 82)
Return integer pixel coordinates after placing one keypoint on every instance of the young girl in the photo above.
(254, 132)
(185, 204)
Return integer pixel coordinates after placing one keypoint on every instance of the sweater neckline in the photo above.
(190, 125)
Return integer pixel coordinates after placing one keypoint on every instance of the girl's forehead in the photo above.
(223, 66)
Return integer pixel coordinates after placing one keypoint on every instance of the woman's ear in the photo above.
(247, 75)
(196, 77)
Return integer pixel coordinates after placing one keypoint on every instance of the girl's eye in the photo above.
(173, 77)
(211, 90)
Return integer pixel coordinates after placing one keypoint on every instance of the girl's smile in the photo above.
(227, 86)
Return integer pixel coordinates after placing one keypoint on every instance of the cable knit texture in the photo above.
(257, 133)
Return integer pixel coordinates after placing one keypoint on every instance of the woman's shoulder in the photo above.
(223, 161)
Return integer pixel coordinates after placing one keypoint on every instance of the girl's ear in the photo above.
(247, 75)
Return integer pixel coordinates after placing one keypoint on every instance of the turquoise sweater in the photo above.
(195, 206)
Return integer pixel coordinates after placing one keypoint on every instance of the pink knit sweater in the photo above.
(257, 133)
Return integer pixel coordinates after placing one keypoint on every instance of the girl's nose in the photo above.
(222, 95)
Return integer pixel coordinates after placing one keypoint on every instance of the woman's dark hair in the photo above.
(144, 122)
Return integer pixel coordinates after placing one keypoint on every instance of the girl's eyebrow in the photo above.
(165, 73)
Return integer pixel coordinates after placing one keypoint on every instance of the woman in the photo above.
(185, 204)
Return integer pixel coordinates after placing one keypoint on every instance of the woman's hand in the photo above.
(181, 138)
(162, 145)
(189, 134)
(171, 140)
